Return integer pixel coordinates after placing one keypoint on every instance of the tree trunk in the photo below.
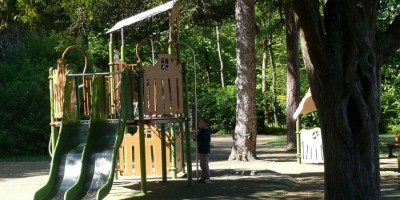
(207, 65)
(293, 76)
(343, 56)
(245, 136)
(275, 100)
(264, 67)
(221, 70)
(264, 79)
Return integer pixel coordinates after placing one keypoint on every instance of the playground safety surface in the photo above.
(276, 175)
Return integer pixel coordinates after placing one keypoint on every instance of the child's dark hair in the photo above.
(205, 120)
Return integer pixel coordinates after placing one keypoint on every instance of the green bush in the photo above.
(24, 96)
(390, 99)
(219, 105)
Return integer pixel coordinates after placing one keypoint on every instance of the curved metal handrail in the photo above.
(80, 50)
(152, 39)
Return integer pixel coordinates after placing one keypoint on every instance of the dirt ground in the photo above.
(276, 175)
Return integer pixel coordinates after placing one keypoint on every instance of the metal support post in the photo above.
(173, 150)
(298, 140)
(163, 154)
(141, 135)
(187, 126)
(52, 119)
(110, 61)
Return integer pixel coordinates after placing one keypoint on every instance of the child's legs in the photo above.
(205, 170)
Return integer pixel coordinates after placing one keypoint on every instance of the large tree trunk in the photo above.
(343, 56)
(221, 70)
(293, 75)
(245, 136)
(273, 65)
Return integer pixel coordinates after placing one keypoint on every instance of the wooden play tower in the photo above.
(157, 136)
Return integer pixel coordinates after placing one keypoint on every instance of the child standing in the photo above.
(203, 138)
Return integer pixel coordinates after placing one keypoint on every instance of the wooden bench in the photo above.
(391, 147)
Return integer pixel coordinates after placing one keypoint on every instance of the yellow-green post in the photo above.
(122, 46)
(163, 154)
(298, 140)
(110, 61)
(141, 135)
(173, 151)
(52, 119)
(187, 126)
(181, 134)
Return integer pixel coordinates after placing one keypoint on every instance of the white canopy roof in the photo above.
(142, 16)
(306, 105)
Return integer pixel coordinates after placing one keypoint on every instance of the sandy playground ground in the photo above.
(276, 175)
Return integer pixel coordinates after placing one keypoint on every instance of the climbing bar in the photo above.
(92, 74)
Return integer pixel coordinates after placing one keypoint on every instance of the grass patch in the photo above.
(30, 158)
(280, 142)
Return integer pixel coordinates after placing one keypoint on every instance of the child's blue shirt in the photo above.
(204, 140)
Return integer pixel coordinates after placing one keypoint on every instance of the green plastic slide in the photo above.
(66, 162)
(98, 158)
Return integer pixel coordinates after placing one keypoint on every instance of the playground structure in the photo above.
(152, 97)
(309, 141)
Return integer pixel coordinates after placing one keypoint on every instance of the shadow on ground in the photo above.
(11, 170)
(226, 184)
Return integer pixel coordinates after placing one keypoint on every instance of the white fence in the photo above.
(311, 146)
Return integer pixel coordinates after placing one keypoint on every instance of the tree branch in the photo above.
(388, 42)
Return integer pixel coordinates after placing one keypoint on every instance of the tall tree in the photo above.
(344, 54)
(264, 78)
(269, 17)
(245, 136)
(293, 75)
(273, 84)
(221, 70)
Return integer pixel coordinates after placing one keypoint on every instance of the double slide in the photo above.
(85, 155)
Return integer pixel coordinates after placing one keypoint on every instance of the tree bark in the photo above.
(245, 136)
(343, 56)
(264, 67)
(264, 79)
(221, 70)
(293, 75)
(273, 65)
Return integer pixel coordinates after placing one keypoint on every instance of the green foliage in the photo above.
(34, 34)
(22, 11)
(310, 120)
(387, 11)
(203, 42)
(395, 129)
(390, 99)
(219, 106)
(24, 97)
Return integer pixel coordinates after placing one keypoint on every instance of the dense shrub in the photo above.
(219, 105)
(24, 97)
(390, 117)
